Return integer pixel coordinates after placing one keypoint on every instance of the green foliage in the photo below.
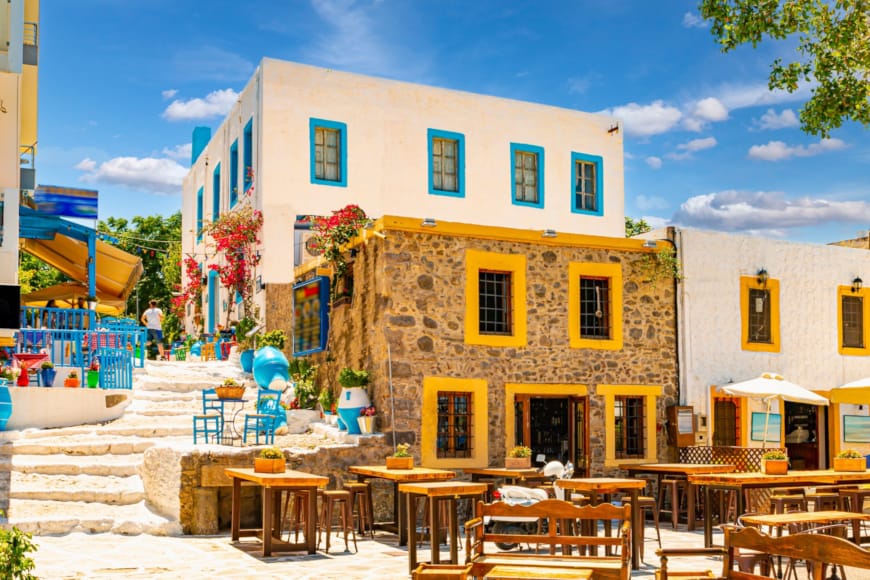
(661, 265)
(303, 375)
(402, 450)
(14, 561)
(34, 274)
(774, 454)
(351, 378)
(327, 399)
(849, 454)
(243, 327)
(635, 227)
(831, 53)
(271, 453)
(276, 338)
(519, 451)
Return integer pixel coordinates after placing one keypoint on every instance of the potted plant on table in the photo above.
(230, 389)
(270, 460)
(518, 457)
(72, 380)
(774, 462)
(47, 373)
(850, 460)
(401, 458)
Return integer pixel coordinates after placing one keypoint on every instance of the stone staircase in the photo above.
(86, 478)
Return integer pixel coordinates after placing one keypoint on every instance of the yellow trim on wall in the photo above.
(751, 282)
(429, 431)
(610, 392)
(475, 261)
(576, 270)
(513, 389)
(852, 351)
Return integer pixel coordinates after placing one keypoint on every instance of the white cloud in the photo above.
(179, 151)
(578, 85)
(778, 150)
(743, 96)
(691, 147)
(646, 120)
(692, 20)
(162, 176)
(654, 162)
(710, 109)
(168, 94)
(784, 120)
(655, 222)
(768, 212)
(645, 203)
(215, 104)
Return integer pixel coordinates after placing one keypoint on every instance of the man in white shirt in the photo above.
(153, 321)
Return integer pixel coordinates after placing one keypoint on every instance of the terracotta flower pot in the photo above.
(263, 465)
(774, 466)
(400, 462)
(71, 383)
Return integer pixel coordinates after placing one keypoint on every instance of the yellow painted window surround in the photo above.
(610, 392)
(578, 270)
(429, 432)
(748, 283)
(515, 264)
(846, 291)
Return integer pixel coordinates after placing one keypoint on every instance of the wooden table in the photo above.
(436, 492)
(273, 485)
(595, 486)
(820, 517)
(740, 482)
(681, 469)
(514, 475)
(505, 572)
(398, 476)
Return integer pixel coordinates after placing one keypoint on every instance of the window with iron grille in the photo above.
(726, 421)
(494, 302)
(327, 154)
(526, 176)
(629, 427)
(444, 164)
(759, 316)
(853, 322)
(455, 424)
(585, 192)
(595, 308)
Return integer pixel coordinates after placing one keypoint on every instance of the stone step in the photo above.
(117, 465)
(64, 517)
(107, 489)
(101, 445)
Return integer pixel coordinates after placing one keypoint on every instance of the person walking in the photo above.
(153, 321)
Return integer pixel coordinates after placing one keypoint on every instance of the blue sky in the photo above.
(123, 83)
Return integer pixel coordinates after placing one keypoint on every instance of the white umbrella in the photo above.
(770, 387)
(856, 392)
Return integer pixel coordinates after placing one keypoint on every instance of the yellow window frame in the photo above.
(613, 272)
(748, 283)
(429, 431)
(610, 392)
(515, 264)
(863, 293)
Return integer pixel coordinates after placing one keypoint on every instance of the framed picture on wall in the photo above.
(856, 428)
(774, 427)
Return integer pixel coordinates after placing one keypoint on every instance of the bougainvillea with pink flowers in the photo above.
(332, 233)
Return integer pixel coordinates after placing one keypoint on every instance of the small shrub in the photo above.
(351, 378)
(402, 450)
(14, 561)
(271, 453)
(849, 454)
(774, 454)
(519, 451)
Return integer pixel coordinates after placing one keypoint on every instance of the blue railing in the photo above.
(76, 348)
(50, 318)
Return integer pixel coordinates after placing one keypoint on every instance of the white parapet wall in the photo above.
(40, 407)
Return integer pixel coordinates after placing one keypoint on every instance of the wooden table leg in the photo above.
(708, 518)
(403, 514)
(454, 541)
(267, 522)
(311, 521)
(636, 531)
(236, 513)
(435, 530)
(412, 533)
(690, 515)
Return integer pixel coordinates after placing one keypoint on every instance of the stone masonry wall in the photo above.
(409, 295)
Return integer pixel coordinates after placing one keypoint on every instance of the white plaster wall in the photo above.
(710, 320)
(42, 407)
(387, 161)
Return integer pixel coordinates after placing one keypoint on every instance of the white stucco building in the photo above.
(749, 305)
(307, 141)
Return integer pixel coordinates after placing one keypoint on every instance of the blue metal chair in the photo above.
(267, 417)
(211, 422)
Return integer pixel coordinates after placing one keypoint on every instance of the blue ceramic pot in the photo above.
(351, 401)
(246, 359)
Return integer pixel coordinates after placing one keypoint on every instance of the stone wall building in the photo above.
(462, 396)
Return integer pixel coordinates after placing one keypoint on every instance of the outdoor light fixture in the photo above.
(857, 284)
(429, 223)
(650, 244)
(763, 277)
(549, 234)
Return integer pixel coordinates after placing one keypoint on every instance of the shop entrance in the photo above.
(804, 434)
(555, 427)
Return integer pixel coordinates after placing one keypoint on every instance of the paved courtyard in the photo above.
(193, 557)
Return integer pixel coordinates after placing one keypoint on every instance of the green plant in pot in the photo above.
(276, 338)
(353, 398)
(774, 462)
(47, 373)
(401, 457)
(518, 457)
(849, 460)
(270, 460)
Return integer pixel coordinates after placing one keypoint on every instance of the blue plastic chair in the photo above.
(266, 419)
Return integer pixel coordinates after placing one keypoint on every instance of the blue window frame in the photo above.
(527, 177)
(446, 163)
(248, 137)
(216, 193)
(234, 173)
(587, 184)
(328, 152)
(199, 215)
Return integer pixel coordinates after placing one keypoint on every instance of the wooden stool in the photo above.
(361, 499)
(296, 505)
(647, 503)
(824, 499)
(793, 502)
(671, 488)
(852, 499)
(331, 497)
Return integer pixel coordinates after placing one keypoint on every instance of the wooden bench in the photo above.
(568, 534)
(820, 549)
